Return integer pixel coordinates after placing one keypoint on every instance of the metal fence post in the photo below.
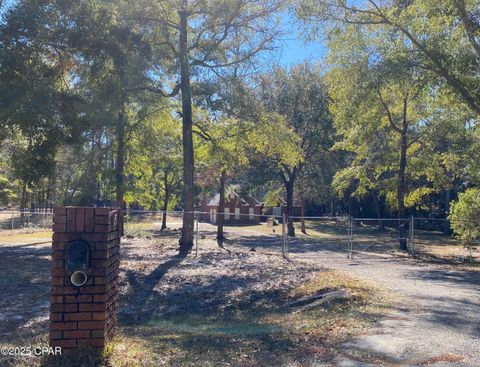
(350, 237)
(283, 235)
(287, 245)
(412, 235)
(196, 233)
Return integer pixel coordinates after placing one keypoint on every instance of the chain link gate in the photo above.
(380, 236)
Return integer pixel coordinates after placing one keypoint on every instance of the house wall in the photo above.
(244, 218)
(297, 211)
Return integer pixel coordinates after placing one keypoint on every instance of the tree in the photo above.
(153, 158)
(37, 102)
(465, 216)
(443, 35)
(299, 95)
(381, 108)
(202, 38)
(60, 80)
(224, 151)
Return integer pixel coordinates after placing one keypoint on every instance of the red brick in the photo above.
(58, 255)
(58, 264)
(95, 237)
(100, 298)
(100, 280)
(64, 344)
(77, 299)
(102, 212)
(98, 333)
(97, 272)
(89, 219)
(101, 254)
(59, 228)
(63, 290)
(60, 211)
(102, 228)
(80, 220)
(63, 326)
(85, 298)
(78, 316)
(99, 343)
(63, 307)
(98, 316)
(91, 325)
(60, 219)
(102, 220)
(71, 219)
(65, 237)
(57, 280)
(96, 307)
(93, 289)
(56, 299)
(76, 334)
(58, 272)
(55, 335)
(59, 245)
(55, 316)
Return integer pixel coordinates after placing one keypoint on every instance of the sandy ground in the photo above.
(434, 322)
(224, 304)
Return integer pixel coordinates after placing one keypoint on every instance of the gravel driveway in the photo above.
(435, 320)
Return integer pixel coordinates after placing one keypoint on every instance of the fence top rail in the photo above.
(381, 219)
(318, 217)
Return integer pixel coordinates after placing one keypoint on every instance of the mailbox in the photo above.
(78, 261)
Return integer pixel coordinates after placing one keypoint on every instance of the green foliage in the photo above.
(465, 215)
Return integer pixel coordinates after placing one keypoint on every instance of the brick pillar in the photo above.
(85, 315)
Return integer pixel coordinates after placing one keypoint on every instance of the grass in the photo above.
(267, 332)
(213, 327)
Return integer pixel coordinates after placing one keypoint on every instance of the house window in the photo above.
(226, 213)
(251, 212)
(237, 213)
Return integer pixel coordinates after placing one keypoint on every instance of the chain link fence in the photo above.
(433, 238)
(242, 232)
(26, 227)
(380, 236)
(329, 237)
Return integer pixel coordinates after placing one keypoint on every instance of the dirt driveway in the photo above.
(435, 320)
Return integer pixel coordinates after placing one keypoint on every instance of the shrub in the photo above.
(465, 215)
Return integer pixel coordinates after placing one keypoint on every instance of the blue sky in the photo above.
(292, 48)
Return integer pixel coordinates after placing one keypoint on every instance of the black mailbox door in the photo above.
(78, 255)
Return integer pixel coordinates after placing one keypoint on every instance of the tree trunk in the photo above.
(221, 208)
(186, 240)
(303, 228)
(120, 160)
(447, 198)
(378, 210)
(401, 186)
(23, 202)
(52, 189)
(289, 184)
(165, 201)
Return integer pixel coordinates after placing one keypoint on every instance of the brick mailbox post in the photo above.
(85, 267)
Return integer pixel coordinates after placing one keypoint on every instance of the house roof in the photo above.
(244, 201)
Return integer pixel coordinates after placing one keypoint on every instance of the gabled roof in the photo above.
(244, 201)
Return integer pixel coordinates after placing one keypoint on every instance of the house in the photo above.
(239, 209)
(281, 209)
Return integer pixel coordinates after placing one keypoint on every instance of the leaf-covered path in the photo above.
(435, 320)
